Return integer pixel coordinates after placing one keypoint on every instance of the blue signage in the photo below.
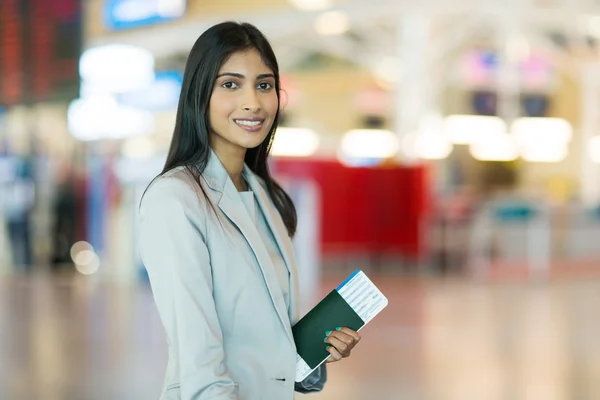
(162, 94)
(128, 14)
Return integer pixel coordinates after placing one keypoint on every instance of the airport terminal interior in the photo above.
(449, 149)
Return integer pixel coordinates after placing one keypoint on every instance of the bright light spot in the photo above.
(545, 153)
(91, 265)
(134, 10)
(85, 258)
(517, 48)
(432, 145)
(116, 68)
(533, 131)
(295, 142)
(332, 23)
(171, 8)
(311, 5)
(388, 70)
(468, 129)
(369, 143)
(101, 117)
(429, 142)
(498, 147)
(594, 26)
(542, 139)
(78, 248)
(594, 149)
(140, 147)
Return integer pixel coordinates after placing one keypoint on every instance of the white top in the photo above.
(262, 226)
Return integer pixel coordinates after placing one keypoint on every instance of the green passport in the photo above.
(354, 303)
(309, 333)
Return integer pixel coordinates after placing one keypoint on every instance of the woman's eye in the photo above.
(229, 85)
(265, 86)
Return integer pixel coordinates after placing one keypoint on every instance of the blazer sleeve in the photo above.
(314, 382)
(178, 264)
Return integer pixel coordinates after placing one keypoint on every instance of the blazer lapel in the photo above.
(231, 204)
(281, 235)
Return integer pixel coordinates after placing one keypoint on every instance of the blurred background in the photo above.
(450, 149)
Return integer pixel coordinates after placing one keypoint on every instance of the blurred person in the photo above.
(64, 219)
(18, 208)
(216, 230)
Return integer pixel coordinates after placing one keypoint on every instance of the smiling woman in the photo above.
(216, 230)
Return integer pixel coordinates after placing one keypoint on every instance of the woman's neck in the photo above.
(233, 161)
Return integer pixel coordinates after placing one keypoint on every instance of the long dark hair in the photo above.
(190, 143)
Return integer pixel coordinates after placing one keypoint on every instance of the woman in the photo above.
(216, 229)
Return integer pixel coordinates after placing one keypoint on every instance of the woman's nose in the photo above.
(250, 102)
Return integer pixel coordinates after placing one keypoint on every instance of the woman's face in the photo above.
(243, 103)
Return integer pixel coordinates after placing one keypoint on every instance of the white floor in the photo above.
(70, 339)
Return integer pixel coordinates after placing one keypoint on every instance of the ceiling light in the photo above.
(295, 142)
(468, 129)
(332, 23)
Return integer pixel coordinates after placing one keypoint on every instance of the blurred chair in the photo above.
(511, 230)
(447, 235)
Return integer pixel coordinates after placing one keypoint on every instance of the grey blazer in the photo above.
(227, 326)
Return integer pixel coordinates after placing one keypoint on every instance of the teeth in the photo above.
(248, 123)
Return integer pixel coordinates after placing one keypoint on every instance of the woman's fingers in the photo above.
(341, 342)
(352, 333)
(335, 355)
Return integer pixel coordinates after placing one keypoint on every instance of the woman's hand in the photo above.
(340, 343)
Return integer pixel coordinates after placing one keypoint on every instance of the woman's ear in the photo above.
(283, 99)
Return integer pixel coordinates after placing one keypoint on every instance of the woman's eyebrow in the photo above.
(240, 76)
(235, 75)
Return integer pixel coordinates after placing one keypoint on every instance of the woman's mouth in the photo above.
(250, 125)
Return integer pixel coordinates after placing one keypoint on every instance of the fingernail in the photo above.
(326, 347)
(338, 328)
(325, 340)
(327, 333)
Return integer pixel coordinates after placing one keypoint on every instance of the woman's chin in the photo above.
(252, 144)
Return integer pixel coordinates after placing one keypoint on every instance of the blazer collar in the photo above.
(216, 177)
(280, 233)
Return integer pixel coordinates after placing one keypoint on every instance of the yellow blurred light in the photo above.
(498, 147)
(432, 145)
(542, 139)
(295, 142)
(593, 26)
(139, 147)
(545, 154)
(369, 143)
(594, 149)
(531, 131)
(469, 129)
(311, 5)
(332, 23)
(388, 71)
